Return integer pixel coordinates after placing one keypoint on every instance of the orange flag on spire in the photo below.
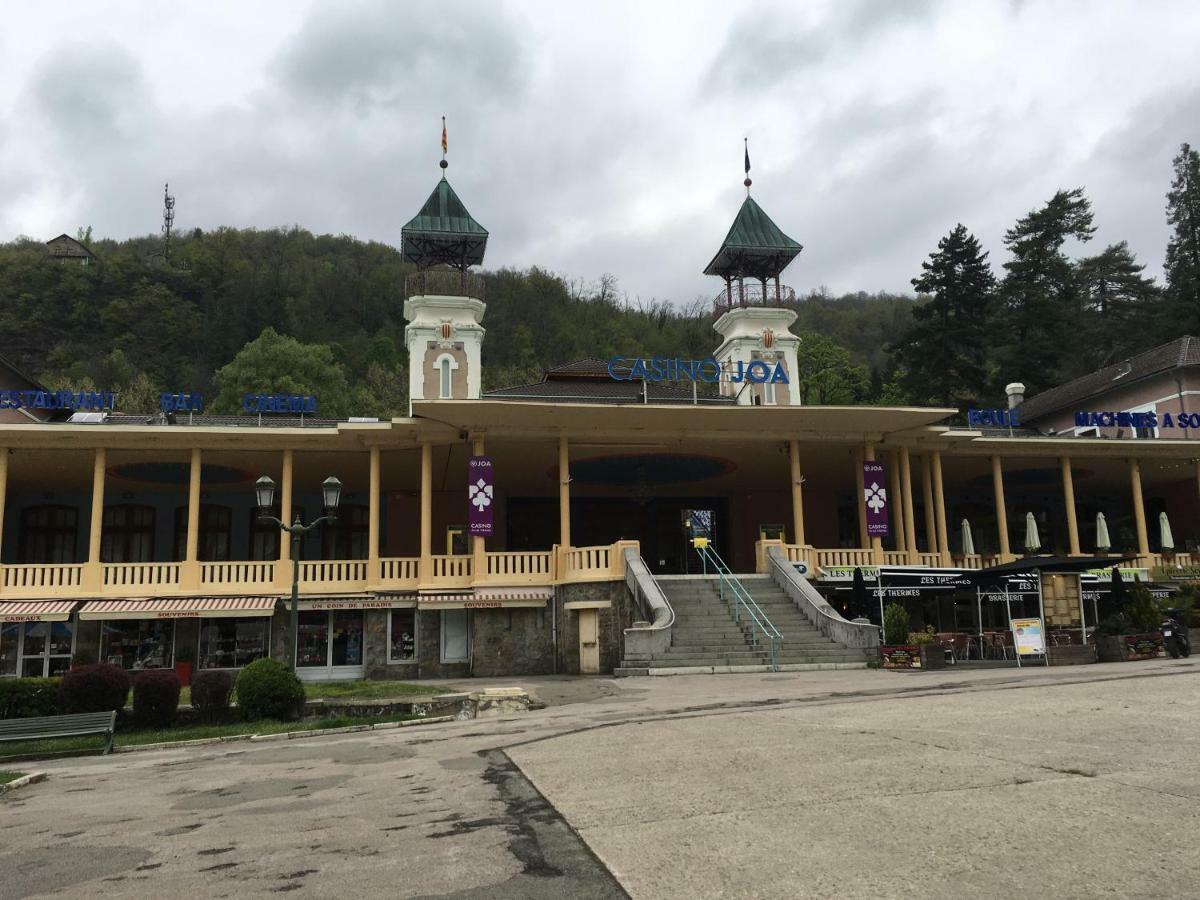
(445, 147)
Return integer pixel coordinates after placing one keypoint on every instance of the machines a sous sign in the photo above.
(662, 368)
(1137, 420)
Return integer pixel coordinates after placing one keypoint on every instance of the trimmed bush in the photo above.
(267, 689)
(210, 693)
(155, 698)
(25, 698)
(895, 625)
(95, 688)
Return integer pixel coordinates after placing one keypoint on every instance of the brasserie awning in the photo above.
(36, 610)
(179, 608)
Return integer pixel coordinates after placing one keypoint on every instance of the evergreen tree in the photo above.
(943, 353)
(1118, 300)
(1182, 309)
(1041, 300)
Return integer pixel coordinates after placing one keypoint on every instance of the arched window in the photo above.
(445, 366)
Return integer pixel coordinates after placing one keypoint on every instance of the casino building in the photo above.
(137, 540)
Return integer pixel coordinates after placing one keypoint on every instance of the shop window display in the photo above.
(138, 643)
(330, 639)
(402, 636)
(312, 643)
(36, 649)
(232, 643)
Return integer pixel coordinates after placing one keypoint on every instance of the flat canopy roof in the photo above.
(634, 420)
(1050, 564)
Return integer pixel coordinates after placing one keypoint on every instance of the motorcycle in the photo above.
(1175, 635)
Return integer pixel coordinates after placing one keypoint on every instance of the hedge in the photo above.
(25, 698)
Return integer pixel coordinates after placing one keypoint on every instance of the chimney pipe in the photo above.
(1016, 394)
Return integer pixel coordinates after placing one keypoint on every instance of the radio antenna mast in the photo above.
(168, 221)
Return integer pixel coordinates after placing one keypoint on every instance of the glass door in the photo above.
(36, 649)
(312, 640)
(331, 641)
(456, 639)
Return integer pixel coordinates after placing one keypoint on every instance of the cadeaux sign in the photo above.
(480, 496)
(875, 499)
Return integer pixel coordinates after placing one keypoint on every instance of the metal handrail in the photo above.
(741, 600)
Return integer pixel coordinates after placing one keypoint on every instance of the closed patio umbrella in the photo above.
(1033, 543)
(968, 542)
(1164, 532)
(1103, 541)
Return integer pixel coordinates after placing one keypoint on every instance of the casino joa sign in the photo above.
(875, 499)
(480, 496)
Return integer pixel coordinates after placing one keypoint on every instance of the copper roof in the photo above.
(1184, 351)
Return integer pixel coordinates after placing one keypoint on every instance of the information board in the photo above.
(1028, 637)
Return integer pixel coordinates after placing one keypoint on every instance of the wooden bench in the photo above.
(43, 727)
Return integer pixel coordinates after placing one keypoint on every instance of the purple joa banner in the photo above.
(875, 499)
(479, 495)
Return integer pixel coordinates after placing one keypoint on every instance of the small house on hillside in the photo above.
(66, 249)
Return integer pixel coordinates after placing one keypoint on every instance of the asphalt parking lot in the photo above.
(1065, 782)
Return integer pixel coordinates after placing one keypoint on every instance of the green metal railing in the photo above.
(741, 601)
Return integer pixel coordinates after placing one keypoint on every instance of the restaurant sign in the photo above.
(76, 401)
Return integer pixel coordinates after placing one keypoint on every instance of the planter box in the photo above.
(899, 656)
(1129, 647)
(933, 656)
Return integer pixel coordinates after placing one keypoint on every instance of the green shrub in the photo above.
(1142, 611)
(895, 624)
(25, 698)
(210, 693)
(1111, 626)
(155, 698)
(267, 689)
(95, 688)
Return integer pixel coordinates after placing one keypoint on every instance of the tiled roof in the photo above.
(1184, 351)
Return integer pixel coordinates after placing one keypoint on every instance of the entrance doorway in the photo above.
(36, 649)
(329, 645)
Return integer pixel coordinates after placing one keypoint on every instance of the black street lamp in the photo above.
(264, 492)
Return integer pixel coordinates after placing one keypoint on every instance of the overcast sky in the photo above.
(603, 137)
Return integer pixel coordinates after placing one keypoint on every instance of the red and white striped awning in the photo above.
(179, 608)
(487, 598)
(36, 610)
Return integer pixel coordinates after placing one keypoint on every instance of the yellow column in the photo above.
(797, 493)
(3, 492)
(564, 494)
(1069, 500)
(896, 502)
(931, 543)
(1001, 509)
(910, 518)
(876, 542)
(93, 577)
(283, 572)
(189, 572)
(426, 563)
(1139, 509)
(939, 506)
(285, 506)
(859, 503)
(373, 486)
(478, 548)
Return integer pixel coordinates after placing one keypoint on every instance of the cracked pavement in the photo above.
(1069, 782)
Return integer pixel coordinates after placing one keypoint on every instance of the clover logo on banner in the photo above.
(480, 494)
(876, 497)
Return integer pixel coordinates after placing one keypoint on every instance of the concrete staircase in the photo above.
(705, 637)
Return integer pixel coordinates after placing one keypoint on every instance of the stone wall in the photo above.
(512, 642)
(613, 622)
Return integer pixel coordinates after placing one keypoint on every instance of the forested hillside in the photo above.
(290, 310)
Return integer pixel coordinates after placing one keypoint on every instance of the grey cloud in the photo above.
(378, 54)
(93, 93)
